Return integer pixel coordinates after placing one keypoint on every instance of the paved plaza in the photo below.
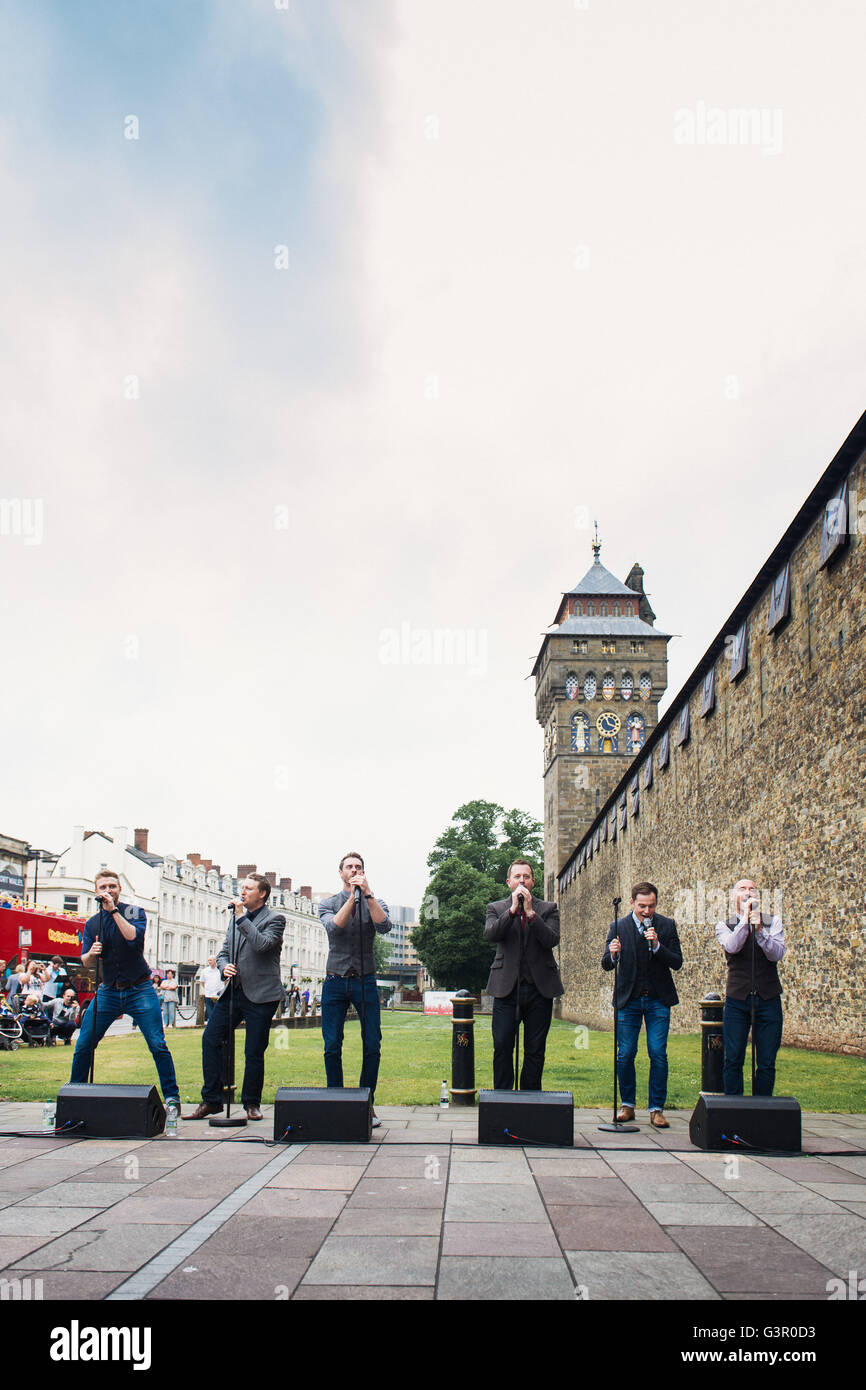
(423, 1212)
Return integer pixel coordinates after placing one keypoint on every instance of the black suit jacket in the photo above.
(668, 957)
(541, 935)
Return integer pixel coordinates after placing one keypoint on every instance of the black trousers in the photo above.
(258, 1025)
(535, 1015)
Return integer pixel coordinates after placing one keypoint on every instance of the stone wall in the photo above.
(769, 785)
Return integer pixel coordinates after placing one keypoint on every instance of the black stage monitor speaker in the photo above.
(305, 1114)
(109, 1112)
(517, 1117)
(744, 1122)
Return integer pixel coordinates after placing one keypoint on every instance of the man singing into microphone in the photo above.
(351, 918)
(649, 949)
(116, 935)
(250, 954)
(754, 942)
(523, 977)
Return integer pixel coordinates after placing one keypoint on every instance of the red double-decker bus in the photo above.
(27, 934)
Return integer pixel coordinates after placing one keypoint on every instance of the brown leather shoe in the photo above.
(626, 1114)
(203, 1110)
(657, 1118)
(254, 1113)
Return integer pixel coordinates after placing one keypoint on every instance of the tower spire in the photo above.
(596, 545)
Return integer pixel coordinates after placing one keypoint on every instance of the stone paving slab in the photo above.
(608, 1228)
(342, 1293)
(627, 1275)
(122, 1248)
(700, 1214)
(513, 1279)
(385, 1259)
(243, 1278)
(489, 1238)
(839, 1242)
(724, 1255)
(81, 1194)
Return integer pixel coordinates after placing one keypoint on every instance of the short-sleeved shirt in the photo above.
(122, 962)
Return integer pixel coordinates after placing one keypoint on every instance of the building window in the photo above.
(608, 646)
(571, 685)
(70, 902)
(578, 646)
(635, 727)
(646, 686)
(168, 945)
(629, 609)
(185, 945)
(602, 608)
(627, 686)
(580, 733)
(616, 610)
(589, 686)
(590, 610)
(637, 646)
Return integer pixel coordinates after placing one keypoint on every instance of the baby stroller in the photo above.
(35, 1030)
(10, 1029)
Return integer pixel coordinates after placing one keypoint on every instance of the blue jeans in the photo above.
(658, 1022)
(736, 1022)
(169, 1009)
(141, 1003)
(337, 995)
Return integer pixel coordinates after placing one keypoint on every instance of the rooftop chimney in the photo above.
(194, 858)
(286, 883)
(306, 891)
(244, 870)
(271, 877)
(141, 839)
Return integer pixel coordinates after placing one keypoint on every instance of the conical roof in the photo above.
(599, 580)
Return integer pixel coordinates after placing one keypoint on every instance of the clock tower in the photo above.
(599, 676)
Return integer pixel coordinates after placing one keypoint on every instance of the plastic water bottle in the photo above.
(443, 1096)
(172, 1115)
(49, 1117)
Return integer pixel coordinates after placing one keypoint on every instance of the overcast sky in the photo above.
(332, 324)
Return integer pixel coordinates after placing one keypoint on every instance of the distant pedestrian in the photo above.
(168, 995)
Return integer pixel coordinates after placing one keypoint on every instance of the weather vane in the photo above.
(596, 545)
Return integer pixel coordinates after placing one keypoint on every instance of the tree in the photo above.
(470, 866)
(381, 952)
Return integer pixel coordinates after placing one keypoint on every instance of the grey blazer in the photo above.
(258, 946)
(542, 934)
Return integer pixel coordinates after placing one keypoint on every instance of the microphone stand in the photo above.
(358, 901)
(520, 919)
(96, 992)
(752, 1001)
(228, 1120)
(617, 1126)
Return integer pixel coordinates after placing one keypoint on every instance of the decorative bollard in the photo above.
(463, 1048)
(712, 1045)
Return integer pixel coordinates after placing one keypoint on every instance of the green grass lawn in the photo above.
(416, 1057)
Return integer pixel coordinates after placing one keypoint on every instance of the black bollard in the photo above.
(712, 1045)
(463, 1048)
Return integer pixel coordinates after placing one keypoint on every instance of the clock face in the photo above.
(608, 723)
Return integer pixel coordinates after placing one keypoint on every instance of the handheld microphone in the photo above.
(357, 895)
(649, 943)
